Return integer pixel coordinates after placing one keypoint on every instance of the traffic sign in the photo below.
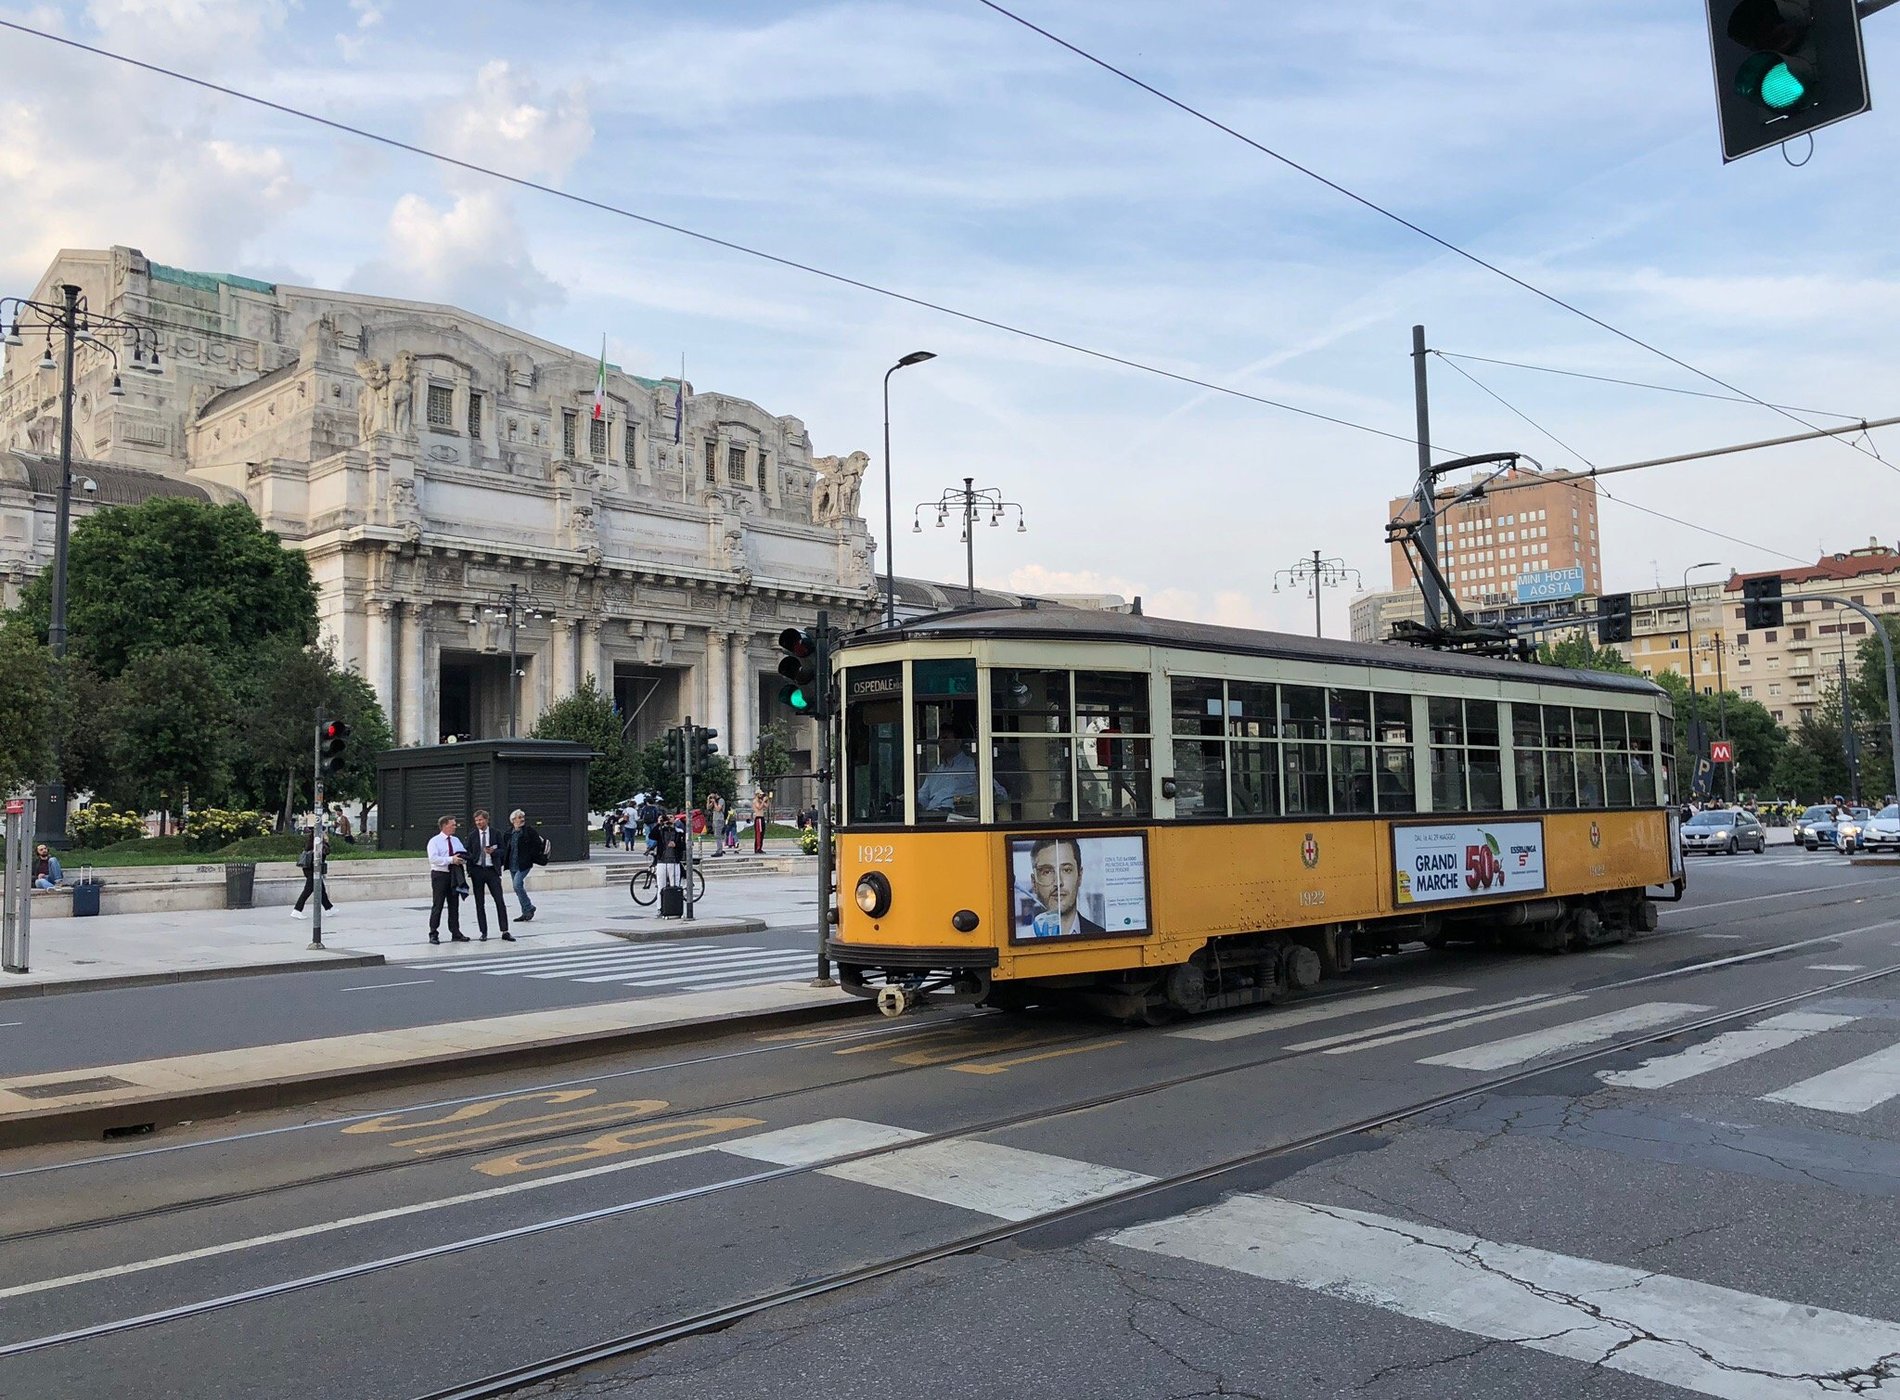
(16, 806)
(1721, 751)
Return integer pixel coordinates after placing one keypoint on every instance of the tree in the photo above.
(1579, 653)
(1813, 766)
(28, 709)
(772, 759)
(1867, 691)
(173, 572)
(279, 690)
(172, 720)
(588, 717)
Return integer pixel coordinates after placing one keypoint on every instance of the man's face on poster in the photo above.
(1055, 875)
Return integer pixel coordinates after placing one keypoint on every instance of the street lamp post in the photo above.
(77, 325)
(511, 608)
(915, 357)
(1317, 572)
(968, 500)
(1695, 700)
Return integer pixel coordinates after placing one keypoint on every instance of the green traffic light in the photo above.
(1781, 89)
(798, 700)
(1781, 84)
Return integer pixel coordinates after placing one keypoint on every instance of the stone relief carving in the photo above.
(736, 557)
(386, 401)
(404, 510)
(834, 497)
(369, 400)
(402, 395)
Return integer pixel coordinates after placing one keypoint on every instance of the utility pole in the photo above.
(1318, 572)
(1427, 536)
(1721, 711)
(967, 501)
(822, 716)
(1850, 746)
(686, 761)
(320, 838)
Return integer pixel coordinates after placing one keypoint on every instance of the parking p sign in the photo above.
(1721, 751)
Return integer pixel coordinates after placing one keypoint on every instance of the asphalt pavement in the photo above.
(1666, 1168)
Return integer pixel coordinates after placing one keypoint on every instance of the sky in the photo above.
(939, 149)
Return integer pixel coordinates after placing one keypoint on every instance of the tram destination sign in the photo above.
(1467, 860)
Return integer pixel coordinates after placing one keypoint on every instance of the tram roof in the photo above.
(1061, 624)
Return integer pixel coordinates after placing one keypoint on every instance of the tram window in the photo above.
(1394, 715)
(874, 743)
(1352, 778)
(1197, 706)
(1527, 727)
(1447, 720)
(943, 728)
(1034, 775)
(1560, 775)
(1397, 792)
(1617, 781)
(1252, 711)
(1486, 773)
(1305, 768)
(1029, 702)
(1557, 732)
(1112, 700)
(1481, 723)
(1530, 776)
(1256, 779)
(1303, 716)
(1351, 715)
(1642, 763)
(1200, 778)
(1113, 776)
(1448, 780)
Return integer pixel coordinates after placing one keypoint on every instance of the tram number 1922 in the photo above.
(1311, 898)
(876, 855)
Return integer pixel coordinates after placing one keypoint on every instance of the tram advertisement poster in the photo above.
(1476, 860)
(1068, 886)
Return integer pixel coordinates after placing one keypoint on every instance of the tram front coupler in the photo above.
(894, 1001)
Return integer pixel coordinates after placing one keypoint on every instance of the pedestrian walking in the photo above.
(716, 823)
(316, 852)
(340, 822)
(761, 806)
(448, 858)
(484, 869)
(610, 830)
(522, 850)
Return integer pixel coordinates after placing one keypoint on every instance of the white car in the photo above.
(1880, 832)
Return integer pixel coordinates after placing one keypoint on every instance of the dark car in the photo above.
(1825, 831)
(1723, 832)
(1807, 819)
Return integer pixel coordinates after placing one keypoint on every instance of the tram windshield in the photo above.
(874, 743)
(943, 702)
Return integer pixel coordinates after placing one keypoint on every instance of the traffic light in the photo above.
(704, 749)
(1614, 623)
(332, 739)
(1758, 610)
(674, 758)
(1783, 68)
(799, 666)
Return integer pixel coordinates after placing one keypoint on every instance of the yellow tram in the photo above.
(1158, 817)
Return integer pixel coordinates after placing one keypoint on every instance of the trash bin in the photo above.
(240, 884)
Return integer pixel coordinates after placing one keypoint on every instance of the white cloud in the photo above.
(472, 253)
(221, 32)
(507, 124)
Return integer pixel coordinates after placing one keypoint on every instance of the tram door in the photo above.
(874, 743)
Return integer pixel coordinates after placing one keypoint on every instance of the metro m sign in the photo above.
(1721, 751)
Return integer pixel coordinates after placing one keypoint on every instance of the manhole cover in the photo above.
(59, 1089)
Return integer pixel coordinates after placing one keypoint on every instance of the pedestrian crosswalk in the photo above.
(696, 967)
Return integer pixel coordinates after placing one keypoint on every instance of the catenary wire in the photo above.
(1396, 218)
(1635, 383)
(1577, 484)
(602, 206)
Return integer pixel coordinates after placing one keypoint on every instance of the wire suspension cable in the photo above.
(1635, 383)
(1521, 413)
(1381, 210)
(601, 206)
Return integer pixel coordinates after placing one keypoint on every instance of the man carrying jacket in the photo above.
(522, 850)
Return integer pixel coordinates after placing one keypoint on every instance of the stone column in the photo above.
(379, 658)
(590, 664)
(430, 689)
(542, 674)
(718, 710)
(411, 677)
(745, 686)
(561, 678)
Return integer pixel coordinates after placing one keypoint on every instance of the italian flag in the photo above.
(600, 383)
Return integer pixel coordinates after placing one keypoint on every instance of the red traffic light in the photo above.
(798, 643)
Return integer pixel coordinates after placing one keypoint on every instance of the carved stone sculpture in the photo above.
(834, 496)
(402, 418)
(369, 399)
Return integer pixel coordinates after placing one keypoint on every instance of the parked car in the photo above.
(1827, 832)
(1723, 832)
(1881, 831)
(1807, 819)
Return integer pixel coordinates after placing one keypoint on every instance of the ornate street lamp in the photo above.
(1316, 573)
(969, 501)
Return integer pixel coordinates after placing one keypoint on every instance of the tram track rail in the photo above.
(503, 1383)
(554, 1135)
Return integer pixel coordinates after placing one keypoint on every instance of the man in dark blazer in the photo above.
(522, 850)
(484, 873)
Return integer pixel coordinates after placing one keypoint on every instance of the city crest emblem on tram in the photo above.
(1309, 851)
(1596, 834)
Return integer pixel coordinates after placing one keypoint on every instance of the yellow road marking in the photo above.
(1022, 1040)
(614, 1144)
(575, 1118)
(1000, 1066)
(399, 1123)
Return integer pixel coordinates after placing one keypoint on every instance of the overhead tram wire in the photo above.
(1396, 218)
(1575, 483)
(1449, 355)
(601, 206)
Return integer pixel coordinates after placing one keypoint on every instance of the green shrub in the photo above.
(808, 841)
(102, 824)
(264, 848)
(212, 828)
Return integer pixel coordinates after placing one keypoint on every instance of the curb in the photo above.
(699, 928)
(194, 974)
(164, 1110)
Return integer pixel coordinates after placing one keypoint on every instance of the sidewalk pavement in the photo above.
(136, 949)
(146, 1095)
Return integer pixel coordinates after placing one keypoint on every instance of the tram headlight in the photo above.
(874, 894)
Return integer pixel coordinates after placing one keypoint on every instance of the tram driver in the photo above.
(948, 790)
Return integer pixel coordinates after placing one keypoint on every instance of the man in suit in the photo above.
(522, 850)
(484, 869)
(447, 857)
(1055, 878)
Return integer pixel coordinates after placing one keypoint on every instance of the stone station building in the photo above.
(427, 459)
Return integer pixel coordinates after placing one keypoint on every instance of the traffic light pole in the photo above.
(320, 839)
(686, 763)
(825, 862)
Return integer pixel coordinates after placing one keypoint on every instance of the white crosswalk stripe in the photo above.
(1852, 1088)
(1521, 1049)
(691, 966)
(1729, 1048)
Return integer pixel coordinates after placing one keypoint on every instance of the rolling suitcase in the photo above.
(672, 901)
(86, 895)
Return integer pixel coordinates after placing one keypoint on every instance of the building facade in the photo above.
(1533, 542)
(428, 461)
(1789, 668)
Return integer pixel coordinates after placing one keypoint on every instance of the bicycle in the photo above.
(645, 885)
